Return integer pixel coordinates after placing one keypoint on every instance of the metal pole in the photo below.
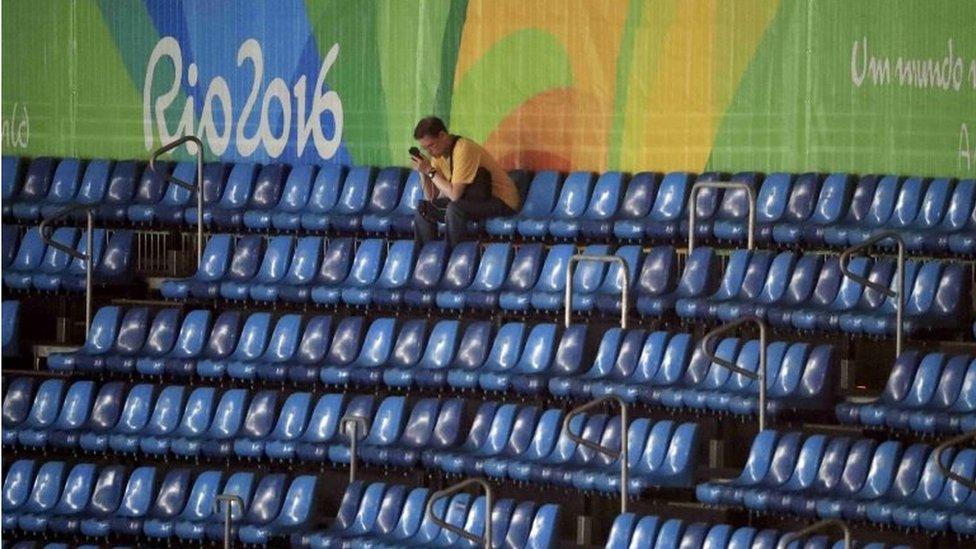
(231, 499)
(616, 454)
(89, 286)
(761, 376)
(198, 188)
(946, 470)
(693, 213)
(87, 257)
(625, 291)
(489, 505)
(816, 527)
(356, 422)
(899, 293)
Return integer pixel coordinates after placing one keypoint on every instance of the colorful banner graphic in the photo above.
(820, 85)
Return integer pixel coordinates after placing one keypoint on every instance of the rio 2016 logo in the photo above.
(308, 119)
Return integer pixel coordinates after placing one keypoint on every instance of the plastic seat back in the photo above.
(267, 187)
(386, 191)
(298, 187)
(336, 261)
(355, 191)
(325, 190)
(833, 199)
(38, 180)
(95, 182)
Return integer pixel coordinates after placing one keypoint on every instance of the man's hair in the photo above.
(429, 127)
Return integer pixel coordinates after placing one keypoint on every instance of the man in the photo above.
(461, 182)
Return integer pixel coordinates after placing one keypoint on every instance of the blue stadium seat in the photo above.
(628, 223)
(94, 185)
(37, 181)
(251, 344)
(12, 169)
(17, 401)
(657, 292)
(871, 192)
(286, 214)
(480, 290)
(427, 273)
(11, 239)
(48, 275)
(574, 196)
(887, 208)
(396, 269)
(225, 207)
(377, 344)
(274, 265)
(357, 188)
(387, 190)
(264, 197)
(963, 241)
(538, 204)
(30, 254)
(505, 351)
(301, 270)
(438, 352)
(64, 188)
(151, 187)
(120, 191)
(321, 201)
(398, 221)
(363, 272)
(211, 269)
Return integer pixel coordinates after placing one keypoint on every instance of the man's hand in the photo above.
(422, 165)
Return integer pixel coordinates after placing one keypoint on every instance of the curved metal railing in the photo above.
(625, 287)
(619, 454)
(946, 469)
(489, 504)
(899, 293)
(88, 257)
(761, 376)
(816, 527)
(198, 188)
(693, 213)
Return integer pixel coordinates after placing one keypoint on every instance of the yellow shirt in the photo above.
(462, 166)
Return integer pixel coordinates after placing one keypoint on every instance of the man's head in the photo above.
(432, 135)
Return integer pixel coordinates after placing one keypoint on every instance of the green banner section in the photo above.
(822, 85)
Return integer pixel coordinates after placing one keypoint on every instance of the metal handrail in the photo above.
(489, 504)
(761, 376)
(358, 423)
(620, 454)
(816, 527)
(693, 213)
(899, 293)
(88, 257)
(945, 470)
(231, 499)
(625, 288)
(198, 188)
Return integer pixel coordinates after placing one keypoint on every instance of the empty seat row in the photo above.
(925, 392)
(656, 368)
(809, 292)
(885, 482)
(396, 273)
(11, 327)
(528, 444)
(30, 263)
(523, 443)
(234, 196)
(662, 369)
(84, 498)
(394, 515)
(205, 421)
(655, 532)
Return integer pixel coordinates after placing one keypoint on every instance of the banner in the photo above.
(822, 85)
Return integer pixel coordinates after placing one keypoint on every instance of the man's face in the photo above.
(437, 145)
